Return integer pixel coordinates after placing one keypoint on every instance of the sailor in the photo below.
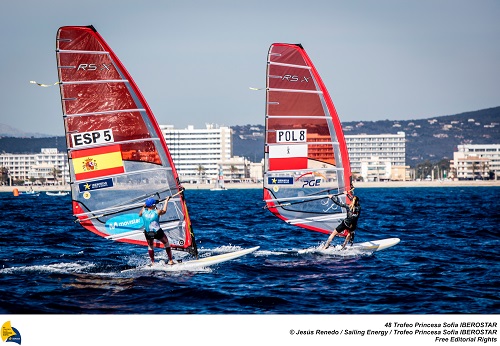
(348, 225)
(151, 218)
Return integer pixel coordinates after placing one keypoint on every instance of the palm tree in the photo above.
(55, 174)
(233, 170)
(4, 172)
(484, 167)
(453, 172)
(201, 171)
(474, 168)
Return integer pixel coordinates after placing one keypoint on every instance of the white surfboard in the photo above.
(376, 245)
(194, 264)
(368, 246)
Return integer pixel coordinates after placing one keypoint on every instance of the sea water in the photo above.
(446, 263)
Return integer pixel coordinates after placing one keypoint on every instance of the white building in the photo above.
(376, 169)
(235, 169)
(256, 171)
(387, 148)
(197, 153)
(37, 168)
(472, 161)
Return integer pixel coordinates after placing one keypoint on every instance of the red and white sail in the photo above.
(306, 156)
(117, 154)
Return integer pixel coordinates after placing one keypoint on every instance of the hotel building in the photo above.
(197, 153)
(37, 168)
(476, 161)
(378, 157)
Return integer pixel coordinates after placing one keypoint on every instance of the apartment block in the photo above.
(37, 168)
(476, 161)
(372, 156)
(197, 153)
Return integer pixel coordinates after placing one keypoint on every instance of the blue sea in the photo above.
(446, 263)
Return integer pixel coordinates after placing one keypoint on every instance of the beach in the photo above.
(240, 186)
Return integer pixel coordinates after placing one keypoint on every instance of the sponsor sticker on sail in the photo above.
(97, 162)
(287, 157)
(280, 180)
(95, 185)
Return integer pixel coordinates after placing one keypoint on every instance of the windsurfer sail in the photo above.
(219, 183)
(305, 155)
(116, 151)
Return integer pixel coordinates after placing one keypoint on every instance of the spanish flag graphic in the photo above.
(97, 162)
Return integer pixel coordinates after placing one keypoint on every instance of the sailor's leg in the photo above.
(168, 250)
(347, 238)
(151, 251)
(330, 238)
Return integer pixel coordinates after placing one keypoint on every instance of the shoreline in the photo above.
(242, 186)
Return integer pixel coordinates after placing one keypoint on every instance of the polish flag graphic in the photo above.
(287, 157)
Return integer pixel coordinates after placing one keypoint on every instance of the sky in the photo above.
(194, 61)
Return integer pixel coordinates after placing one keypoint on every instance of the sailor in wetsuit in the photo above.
(348, 225)
(151, 218)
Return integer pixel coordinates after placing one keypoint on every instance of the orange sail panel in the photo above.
(306, 156)
(117, 154)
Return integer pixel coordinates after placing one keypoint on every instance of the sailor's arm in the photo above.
(165, 206)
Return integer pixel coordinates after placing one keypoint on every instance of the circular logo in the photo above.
(86, 195)
(275, 188)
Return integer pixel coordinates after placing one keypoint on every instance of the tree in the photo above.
(55, 173)
(453, 173)
(424, 169)
(4, 172)
(484, 168)
(201, 172)
(442, 166)
(474, 168)
(233, 169)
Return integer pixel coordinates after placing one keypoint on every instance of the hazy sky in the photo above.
(194, 61)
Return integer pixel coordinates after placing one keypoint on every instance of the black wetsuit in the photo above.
(351, 221)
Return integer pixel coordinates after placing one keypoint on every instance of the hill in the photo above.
(433, 139)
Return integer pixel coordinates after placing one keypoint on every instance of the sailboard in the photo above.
(58, 193)
(117, 154)
(305, 153)
(30, 194)
(367, 246)
(219, 183)
(203, 262)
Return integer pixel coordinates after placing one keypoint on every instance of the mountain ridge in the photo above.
(431, 139)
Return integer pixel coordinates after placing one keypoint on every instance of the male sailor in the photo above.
(151, 218)
(349, 224)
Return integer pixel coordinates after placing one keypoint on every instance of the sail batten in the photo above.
(305, 154)
(95, 81)
(131, 141)
(62, 51)
(106, 112)
(294, 117)
(117, 154)
(297, 91)
(290, 65)
(126, 174)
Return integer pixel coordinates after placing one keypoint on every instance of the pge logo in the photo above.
(311, 183)
(10, 334)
